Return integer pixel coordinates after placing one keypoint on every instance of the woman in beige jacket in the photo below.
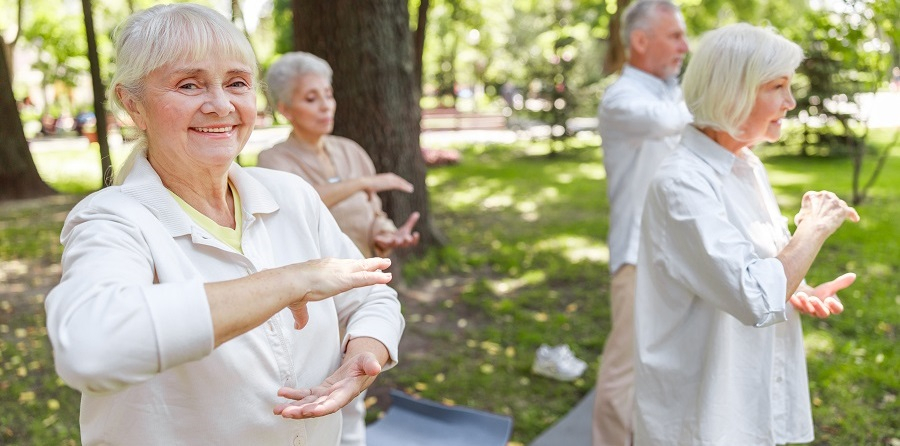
(338, 168)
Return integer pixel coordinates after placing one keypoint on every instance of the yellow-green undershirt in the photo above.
(228, 236)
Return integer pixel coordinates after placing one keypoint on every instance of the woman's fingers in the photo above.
(834, 305)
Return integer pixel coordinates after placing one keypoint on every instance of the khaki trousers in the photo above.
(614, 400)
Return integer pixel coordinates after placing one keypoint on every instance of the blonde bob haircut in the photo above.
(283, 75)
(165, 34)
(723, 76)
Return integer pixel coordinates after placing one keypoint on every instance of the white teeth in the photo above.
(213, 129)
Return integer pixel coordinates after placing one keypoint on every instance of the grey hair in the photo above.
(282, 76)
(723, 78)
(641, 15)
(164, 34)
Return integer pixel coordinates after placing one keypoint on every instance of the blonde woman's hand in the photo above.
(355, 375)
(319, 279)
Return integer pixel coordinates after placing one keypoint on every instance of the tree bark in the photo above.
(368, 46)
(19, 177)
(99, 94)
(615, 50)
(419, 44)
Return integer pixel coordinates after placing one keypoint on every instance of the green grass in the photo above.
(528, 257)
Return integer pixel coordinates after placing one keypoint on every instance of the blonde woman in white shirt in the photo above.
(720, 285)
(202, 302)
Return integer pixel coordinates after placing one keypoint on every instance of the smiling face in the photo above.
(311, 107)
(773, 100)
(197, 115)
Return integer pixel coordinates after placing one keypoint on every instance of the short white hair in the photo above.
(164, 34)
(724, 74)
(282, 76)
(641, 15)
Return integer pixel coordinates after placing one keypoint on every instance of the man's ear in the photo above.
(131, 106)
(638, 42)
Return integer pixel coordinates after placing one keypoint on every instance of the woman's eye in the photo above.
(239, 84)
(188, 86)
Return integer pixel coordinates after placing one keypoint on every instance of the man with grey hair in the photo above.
(641, 116)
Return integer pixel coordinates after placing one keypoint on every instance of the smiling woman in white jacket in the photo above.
(202, 302)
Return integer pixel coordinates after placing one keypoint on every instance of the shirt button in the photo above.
(298, 440)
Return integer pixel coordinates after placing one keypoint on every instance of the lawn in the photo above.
(526, 264)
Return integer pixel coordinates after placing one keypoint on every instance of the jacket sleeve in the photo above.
(639, 114)
(110, 324)
(696, 244)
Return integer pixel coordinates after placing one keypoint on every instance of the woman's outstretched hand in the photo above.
(323, 278)
(384, 182)
(348, 381)
(822, 301)
(402, 237)
(825, 209)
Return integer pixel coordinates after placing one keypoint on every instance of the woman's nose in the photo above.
(790, 102)
(217, 102)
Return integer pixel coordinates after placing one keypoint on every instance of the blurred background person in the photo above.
(720, 356)
(641, 117)
(196, 304)
(338, 168)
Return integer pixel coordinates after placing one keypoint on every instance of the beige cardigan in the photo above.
(360, 217)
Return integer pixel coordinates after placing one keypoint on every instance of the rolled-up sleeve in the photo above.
(109, 324)
(708, 255)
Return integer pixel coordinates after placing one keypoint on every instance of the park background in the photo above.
(487, 106)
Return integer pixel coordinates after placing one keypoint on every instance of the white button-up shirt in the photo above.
(641, 119)
(720, 356)
(131, 326)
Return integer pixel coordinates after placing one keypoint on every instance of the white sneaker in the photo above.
(558, 363)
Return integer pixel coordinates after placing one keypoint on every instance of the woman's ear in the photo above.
(282, 109)
(132, 106)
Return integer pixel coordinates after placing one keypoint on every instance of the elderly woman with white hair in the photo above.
(338, 168)
(202, 302)
(720, 287)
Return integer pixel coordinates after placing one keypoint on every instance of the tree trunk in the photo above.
(99, 94)
(368, 46)
(19, 177)
(615, 50)
(419, 44)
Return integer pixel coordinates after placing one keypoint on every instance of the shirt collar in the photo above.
(144, 185)
(651, 82)
(716, 156)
